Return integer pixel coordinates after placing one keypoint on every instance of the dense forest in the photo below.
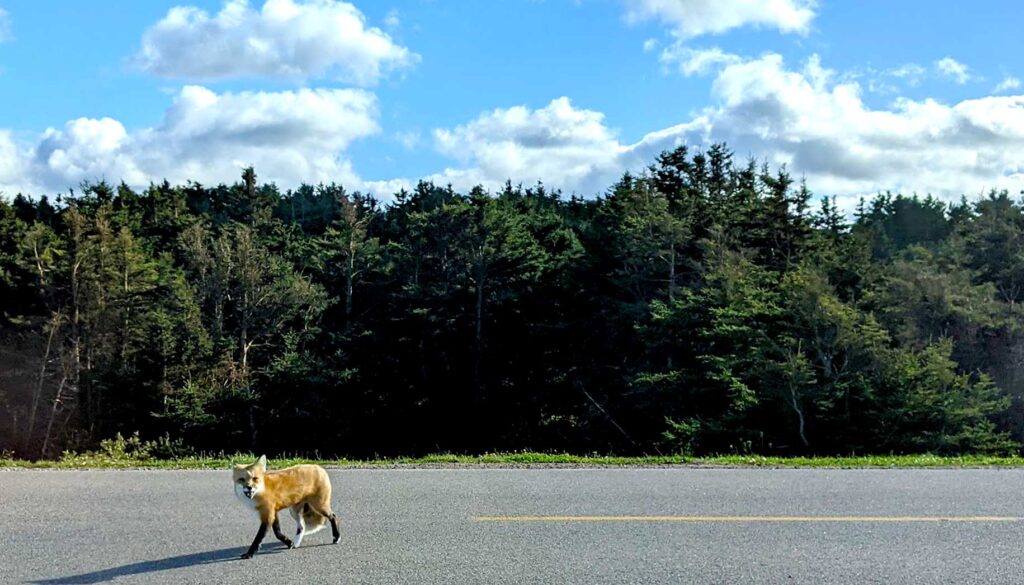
(707, 305)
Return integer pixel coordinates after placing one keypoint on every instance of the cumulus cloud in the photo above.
(13, 178)
(285, 38)
(559, 144)
(410, 140)
(687, 19)
(822, 128)
(692, 18)
(290, 137)
(385, 190)
(807, 118)
(1007, 84)
(910, 72)
(953, 69)
(86, 148)
(696, 61)
(5, 27)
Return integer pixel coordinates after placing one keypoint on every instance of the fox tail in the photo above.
(313, 519)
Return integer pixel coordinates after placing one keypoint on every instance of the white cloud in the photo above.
(291, 137)
(810, 119)
(823, 129)
(13, 178)
(86, 148)
(953, 69)
(907, 71)
(392, 19)
(558, 144)
(5, 26)
(911, 73)
(692, 18)
(696, 61)
(410, 140)
(385, 190)
(285, 38)
(1007, 84)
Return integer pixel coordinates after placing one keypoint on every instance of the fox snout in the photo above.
(247, 491)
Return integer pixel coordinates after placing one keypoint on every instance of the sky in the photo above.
(857, 97)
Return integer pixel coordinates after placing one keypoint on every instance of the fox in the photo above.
(305, 490)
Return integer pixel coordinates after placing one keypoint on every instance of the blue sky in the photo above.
(857, 96)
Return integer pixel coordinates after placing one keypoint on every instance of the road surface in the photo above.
(587, 526)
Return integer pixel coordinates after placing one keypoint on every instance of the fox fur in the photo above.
(304, 490)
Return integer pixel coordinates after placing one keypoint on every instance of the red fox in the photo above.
(304, 489)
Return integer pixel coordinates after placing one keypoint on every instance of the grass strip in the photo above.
(223, 461)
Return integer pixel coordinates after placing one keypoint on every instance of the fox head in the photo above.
(248, 479)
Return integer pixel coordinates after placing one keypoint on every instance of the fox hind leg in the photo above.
(324, 509)
(297, 514)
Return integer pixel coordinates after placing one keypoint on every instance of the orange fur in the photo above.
(305, 490)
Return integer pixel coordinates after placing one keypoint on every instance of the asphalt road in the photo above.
(527, 526)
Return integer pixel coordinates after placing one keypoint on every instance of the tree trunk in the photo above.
(57, 399)
(218, 315)
(76, 336)
(243, 350)
(799, 414)
(127, 315)
(671, 290)
(478, 354)
(252, 427)
(349, 284)
(672, 275)
(38, 393)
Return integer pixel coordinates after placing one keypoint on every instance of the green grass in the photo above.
(222, 461)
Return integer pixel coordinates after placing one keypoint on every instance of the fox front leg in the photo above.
(256, 541)
(280, 535)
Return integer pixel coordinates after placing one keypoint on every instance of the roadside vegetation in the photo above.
(519, 460)
(132, 453)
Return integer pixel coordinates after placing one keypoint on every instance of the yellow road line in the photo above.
(877, 519)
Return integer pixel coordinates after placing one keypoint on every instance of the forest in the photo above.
(707, 305)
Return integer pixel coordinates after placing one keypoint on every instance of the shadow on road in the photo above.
(178, 562)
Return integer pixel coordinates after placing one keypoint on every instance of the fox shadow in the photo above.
(178, 562)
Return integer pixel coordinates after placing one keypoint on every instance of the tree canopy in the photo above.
(702, 306)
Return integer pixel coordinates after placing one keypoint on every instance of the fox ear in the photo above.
(262, 462)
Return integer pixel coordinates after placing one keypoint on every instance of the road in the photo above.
(587, 526)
